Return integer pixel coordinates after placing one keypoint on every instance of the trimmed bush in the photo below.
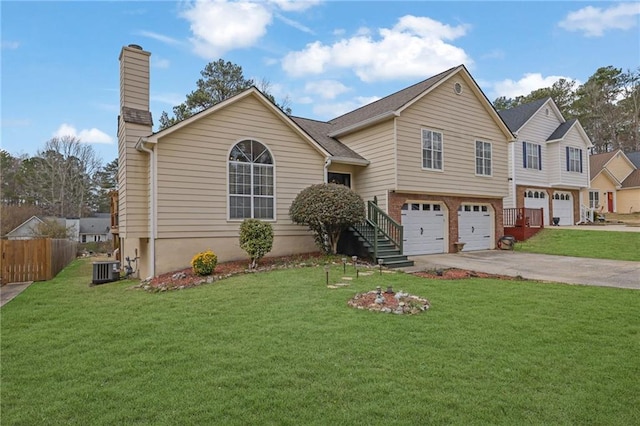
(327, 209)
(256, 238)
(204, 263)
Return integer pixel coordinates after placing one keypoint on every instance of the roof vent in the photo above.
(457, 87)
(135, 46)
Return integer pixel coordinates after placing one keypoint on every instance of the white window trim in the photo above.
(596, 199)
(228, 196)
(533, 147)
(441, 169)
(577, 160)
(475, 164)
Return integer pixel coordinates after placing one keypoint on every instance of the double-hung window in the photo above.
(251, 193)
(483, 158)
(531, 156)
(431, 150)
(594, 199)
(574, 159)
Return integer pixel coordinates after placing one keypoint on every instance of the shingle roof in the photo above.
(95, 225)
(634, 157)
(389, 103)
(516, 117)
(319, 130)
(561, 130)
(633, 180)
(136, 116)
(597, 162)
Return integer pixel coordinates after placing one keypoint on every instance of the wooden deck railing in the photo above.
(523, 217)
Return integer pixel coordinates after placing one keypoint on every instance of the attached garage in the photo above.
(424, 228)
(534, 199)
(474, 226)
(563, 207)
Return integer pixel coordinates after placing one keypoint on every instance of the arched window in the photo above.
(251, 191)
(535, 195)
(530, 194)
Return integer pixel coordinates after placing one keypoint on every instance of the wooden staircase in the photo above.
(381, 237)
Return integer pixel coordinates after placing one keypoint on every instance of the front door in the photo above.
(610, 202)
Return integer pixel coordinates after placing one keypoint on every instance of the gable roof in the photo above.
(632, 181)
(17, 229)
(561, 130)
(598, 161)
(517, 117)
(390, 103)
(319, 130)
(393, 104)
(634, 157)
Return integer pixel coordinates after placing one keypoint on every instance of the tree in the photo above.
(327, 209)
(52, 228)
(629, 108)
(58, 178)
(562, 92)
(104, 181)
(220, 80)
(13, 215)
(596, 108)
(256, 238)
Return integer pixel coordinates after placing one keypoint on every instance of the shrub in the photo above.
(256, 238)
(204, 263)
(327, 209)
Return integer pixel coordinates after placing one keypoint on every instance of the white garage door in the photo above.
(537, 200)
(474, 227)
(563, 207)
(423, 225)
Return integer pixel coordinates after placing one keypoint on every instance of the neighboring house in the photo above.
(548, 163)
(615, 183)
(433, 156)
(86, 229)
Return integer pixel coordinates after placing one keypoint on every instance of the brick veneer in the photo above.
(397, 199)
(575, 196)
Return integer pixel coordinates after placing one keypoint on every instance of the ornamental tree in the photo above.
(256, 238)
(327, 209)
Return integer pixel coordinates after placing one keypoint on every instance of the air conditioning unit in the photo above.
(106, 272)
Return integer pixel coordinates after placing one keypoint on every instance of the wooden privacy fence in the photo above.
(34, 260)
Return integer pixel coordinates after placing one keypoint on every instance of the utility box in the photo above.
(106, 272)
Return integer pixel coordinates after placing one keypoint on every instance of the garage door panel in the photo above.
(423, 229)
(542, 202)
(563, 208)
(474, 227)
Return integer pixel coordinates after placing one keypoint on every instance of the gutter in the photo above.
(153, 190)
(327, 163)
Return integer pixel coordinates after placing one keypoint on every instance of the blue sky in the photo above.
(60, 59)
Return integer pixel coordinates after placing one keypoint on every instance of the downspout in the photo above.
(326, 170)
(152, 221)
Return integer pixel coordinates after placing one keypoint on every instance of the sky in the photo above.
(60, 69)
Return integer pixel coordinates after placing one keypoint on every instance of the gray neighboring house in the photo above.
(634, 157)
(86, 229)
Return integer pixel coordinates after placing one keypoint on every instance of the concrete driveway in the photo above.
(542, 267)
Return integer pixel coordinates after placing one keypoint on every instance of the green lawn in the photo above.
(582, 243)
(280, 348)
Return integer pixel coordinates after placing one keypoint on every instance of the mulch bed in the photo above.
(457, 274)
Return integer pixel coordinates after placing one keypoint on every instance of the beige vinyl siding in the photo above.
(628, 200)
(619, 167)
(510, 200)
(134, 84)
(134, 197)
(376, 144)
(462, 119)
(192, 195)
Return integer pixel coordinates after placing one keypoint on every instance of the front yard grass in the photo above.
(583, 243)
(281, 348)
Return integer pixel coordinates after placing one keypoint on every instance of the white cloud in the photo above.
(92, 135)
(594, 21)
(525, 85)
(16, 122)
(160, 37)
(295, 5)
(218, 26)
(414, 47)
(172, 99)
(295, 24)
(11, 45)
(327, 89)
